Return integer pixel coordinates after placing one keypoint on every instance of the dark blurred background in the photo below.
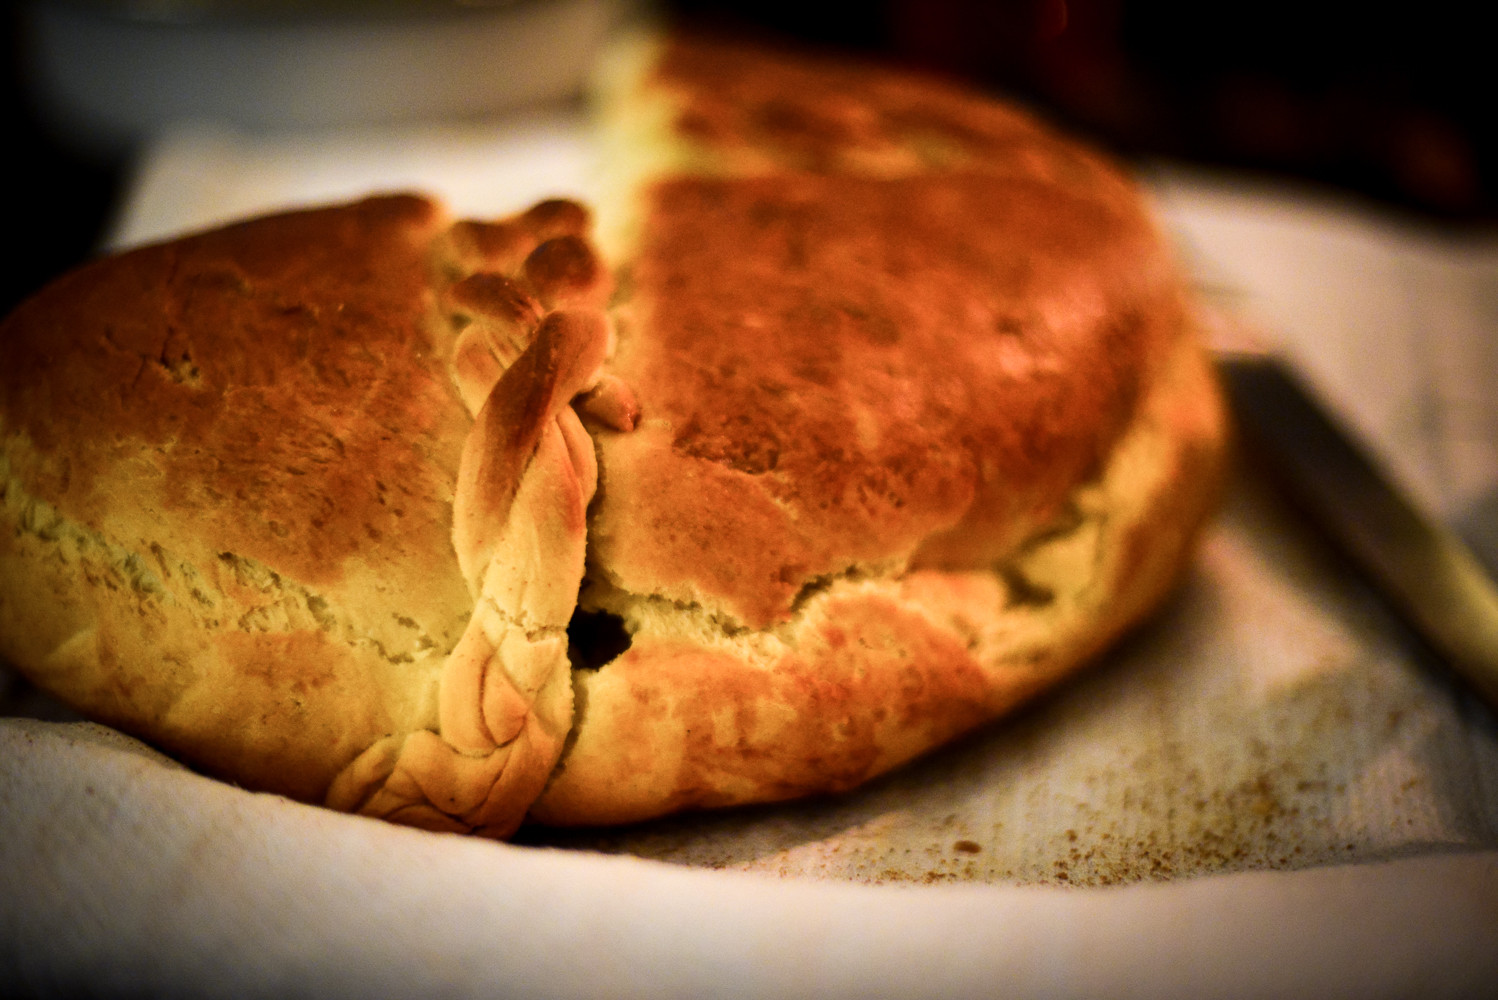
(1389, 104)
(1393, 102)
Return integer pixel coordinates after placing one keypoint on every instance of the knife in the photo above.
(1424, 570)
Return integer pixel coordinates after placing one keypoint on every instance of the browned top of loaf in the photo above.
(271, 389)
(846, 360)
(825, 113)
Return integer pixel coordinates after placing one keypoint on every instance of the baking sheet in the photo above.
(1273, 717)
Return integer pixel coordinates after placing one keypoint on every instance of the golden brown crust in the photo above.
(143, 358)
(231, 470)
(904, 420)
(870, 374)
(217, 454)
(884, 358)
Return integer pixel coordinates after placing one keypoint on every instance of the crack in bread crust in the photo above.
(210, 594)
(873, 670)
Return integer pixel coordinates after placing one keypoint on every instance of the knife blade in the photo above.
(1424, 571)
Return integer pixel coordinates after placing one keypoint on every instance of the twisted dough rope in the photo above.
(525, 477)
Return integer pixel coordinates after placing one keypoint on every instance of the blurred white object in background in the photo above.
(107, 75)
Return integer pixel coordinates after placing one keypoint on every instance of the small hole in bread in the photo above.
(594, 638)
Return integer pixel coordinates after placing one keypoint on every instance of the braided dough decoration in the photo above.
(525, 479)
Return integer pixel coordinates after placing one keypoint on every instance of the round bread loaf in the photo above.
(881, 411)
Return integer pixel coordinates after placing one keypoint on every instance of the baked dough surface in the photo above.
(880, 410)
